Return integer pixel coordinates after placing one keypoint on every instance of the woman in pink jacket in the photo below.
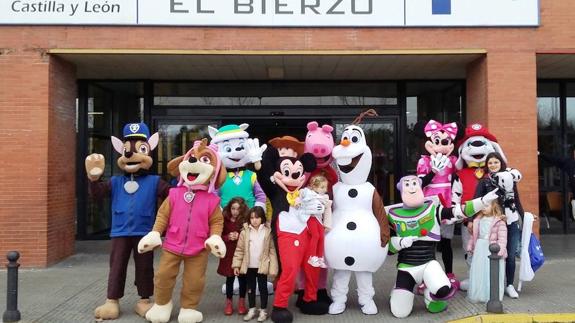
(488, 227)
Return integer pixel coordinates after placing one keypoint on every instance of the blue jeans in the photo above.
(513, 239)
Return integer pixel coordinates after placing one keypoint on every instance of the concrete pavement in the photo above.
(69, 291)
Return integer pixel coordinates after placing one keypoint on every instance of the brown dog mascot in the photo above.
(193, 222)
(134, 197)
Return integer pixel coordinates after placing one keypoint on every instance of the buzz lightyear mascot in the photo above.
(236, 151)
(417, 230)
(358, 240)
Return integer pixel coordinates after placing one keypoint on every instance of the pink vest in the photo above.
(189, 222)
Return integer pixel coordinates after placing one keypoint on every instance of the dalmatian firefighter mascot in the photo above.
(473, 149)
(417, 230)
(357, 242)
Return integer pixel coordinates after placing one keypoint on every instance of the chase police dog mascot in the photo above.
(192, 219)
(134, 196)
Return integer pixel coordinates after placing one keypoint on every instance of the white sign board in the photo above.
(272, 13)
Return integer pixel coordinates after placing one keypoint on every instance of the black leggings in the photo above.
(262, 280)
(446, 254)
(230, 286)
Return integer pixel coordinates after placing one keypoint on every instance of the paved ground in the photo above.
(70, 290)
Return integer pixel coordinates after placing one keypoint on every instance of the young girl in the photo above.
(255, 256)
(488, 227)
(494, 163)
(235, 215)
(317, 188)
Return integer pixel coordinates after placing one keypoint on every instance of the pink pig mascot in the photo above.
(319, 142)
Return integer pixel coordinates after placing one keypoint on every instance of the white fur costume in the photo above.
(354, 243)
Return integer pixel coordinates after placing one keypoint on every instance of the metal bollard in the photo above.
(12, 314)
(494, 305)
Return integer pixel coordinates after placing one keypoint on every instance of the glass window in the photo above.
(275, 93)
(441, 101)
(110, 106)
(552, 147)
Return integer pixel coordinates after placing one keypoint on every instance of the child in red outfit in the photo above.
(235, 215)
(317, 189)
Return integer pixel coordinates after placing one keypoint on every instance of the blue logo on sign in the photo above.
(441, 7)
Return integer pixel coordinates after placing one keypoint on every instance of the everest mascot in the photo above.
(357, 242)
(236, 151)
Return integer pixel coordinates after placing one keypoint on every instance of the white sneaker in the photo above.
(511, 292)
(464, 285)
(251, 314)
(263, 315)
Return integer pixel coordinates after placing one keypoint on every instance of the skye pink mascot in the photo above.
(436, 171)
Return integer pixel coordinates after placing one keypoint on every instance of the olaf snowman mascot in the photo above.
(357, 242)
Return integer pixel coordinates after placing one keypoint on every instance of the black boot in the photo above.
(281, 315)
(323, 297)
(314, 308)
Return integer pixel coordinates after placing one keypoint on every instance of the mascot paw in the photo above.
(281, 315)
(314, 308)
(216, 245)
(142, 307)
(322, 296)
(109, 311)
(160, 313)
(95, 164)
(369, 308)
(336, 308)
(188, 315)
(149, 242)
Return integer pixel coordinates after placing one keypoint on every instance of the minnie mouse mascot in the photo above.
(436, 171)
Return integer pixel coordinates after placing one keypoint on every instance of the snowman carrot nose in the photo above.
(345, 142)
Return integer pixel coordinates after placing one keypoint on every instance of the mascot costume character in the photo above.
(193, 222)
(134, 196)
(282, 174)
(319, 142)
(472, 148)
(436, 171)
(357, 242)
(233, 141)
(416, 223)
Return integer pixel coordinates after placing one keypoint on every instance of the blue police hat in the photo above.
(136, 130)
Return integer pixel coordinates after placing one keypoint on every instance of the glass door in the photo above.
(382, 137)
(176, 138)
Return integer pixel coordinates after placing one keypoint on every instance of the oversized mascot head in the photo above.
(319, 142)
(440, 138)
(292, 165)
(201, 167)
(136, 148)
(411, 192)
(475, 145)
(353, 156)
(231, 141)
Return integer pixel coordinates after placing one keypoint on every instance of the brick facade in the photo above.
(37, 101)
